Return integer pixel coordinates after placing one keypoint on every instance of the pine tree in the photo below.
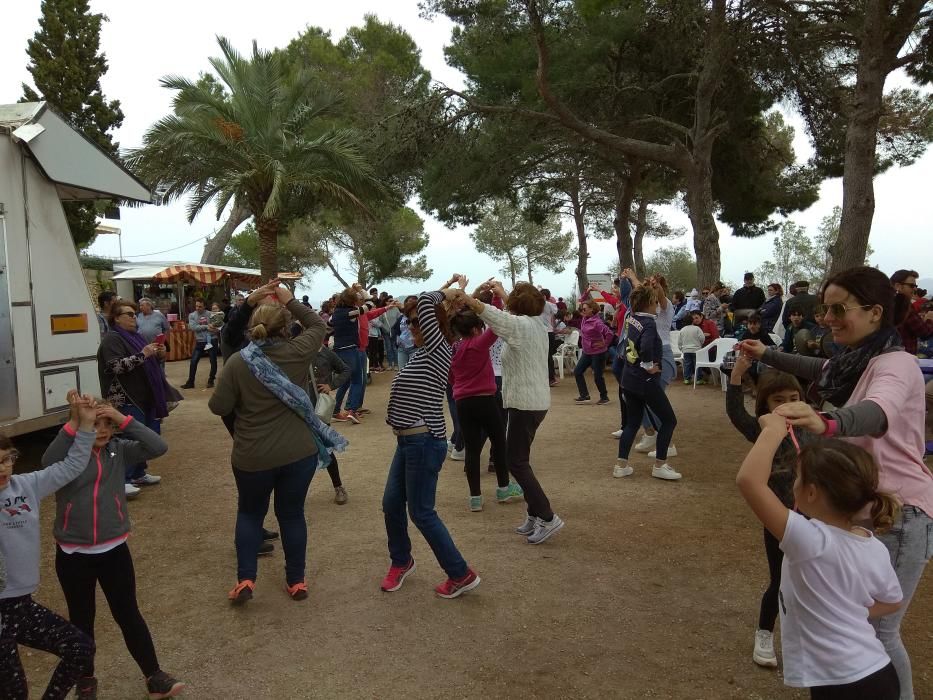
(66, 66)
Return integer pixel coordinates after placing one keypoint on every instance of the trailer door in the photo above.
(9, 400)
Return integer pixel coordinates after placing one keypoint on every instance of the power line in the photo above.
(160, 252)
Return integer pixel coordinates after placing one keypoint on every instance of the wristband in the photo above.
(832, 426)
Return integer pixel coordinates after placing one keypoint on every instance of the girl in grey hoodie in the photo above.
(23, 620)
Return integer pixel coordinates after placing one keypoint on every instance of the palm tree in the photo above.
(261, 138)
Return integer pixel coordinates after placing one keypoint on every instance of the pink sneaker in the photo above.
(451, 588)
(396, 577)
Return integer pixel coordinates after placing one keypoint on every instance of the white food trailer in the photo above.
(49, 333)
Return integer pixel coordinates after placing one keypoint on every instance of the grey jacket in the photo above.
(91, 510)
(328, 369)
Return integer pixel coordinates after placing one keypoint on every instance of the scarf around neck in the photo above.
(152, 369)
(841, 372)
(271, 376)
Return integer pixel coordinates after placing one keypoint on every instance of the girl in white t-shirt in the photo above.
(835, 574)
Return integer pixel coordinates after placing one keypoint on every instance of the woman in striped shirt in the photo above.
(416, 414)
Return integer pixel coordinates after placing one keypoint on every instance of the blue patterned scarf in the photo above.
(285, 390)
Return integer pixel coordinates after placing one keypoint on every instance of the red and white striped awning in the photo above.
(199, 273)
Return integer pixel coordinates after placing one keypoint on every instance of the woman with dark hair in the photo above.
(770, 311)
(416, 414)
(345, 322)
(474, 390)
(872, 394)
(595, 339)
(132, 380)
(525, 393)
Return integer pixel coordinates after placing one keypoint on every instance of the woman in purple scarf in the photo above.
(133, 381)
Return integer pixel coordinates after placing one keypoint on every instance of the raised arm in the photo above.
(743, 421)
(755, 471)
(798, 365)
(427, 320)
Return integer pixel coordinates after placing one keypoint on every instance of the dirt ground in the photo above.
(650, 591)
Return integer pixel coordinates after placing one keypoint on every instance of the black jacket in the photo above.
(748, 298)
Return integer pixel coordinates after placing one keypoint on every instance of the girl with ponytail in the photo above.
(836, 574)
(872, 395)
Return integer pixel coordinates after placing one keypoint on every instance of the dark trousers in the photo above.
(881, 685)
(519, 434)
(138, 470)
(412, 486)
(769, 599)
(376, 353)
(356, 382)
(199, 352)
(290, 484)
(598, 363)
(79, 575)
(333, 470)
(651, 396)
(480, 418)
(32, 625)
(456, 436)
(551, 347)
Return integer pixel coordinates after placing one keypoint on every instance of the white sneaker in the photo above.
(618, 471)
(764, 649)
(132, 491)
(450, 446)
(147, 480)
(527, 527)
(458, 455)
(665, 471)
(617, 434)
(545, 528)
(646, 444)
(671, 452)
(208, 347)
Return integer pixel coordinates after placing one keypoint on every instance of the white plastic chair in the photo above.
(776, 338)
(567, 353)
(675, 349)
(722, 346)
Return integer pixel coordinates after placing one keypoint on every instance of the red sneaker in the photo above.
(242, 592)
(342, 417)
(354, 417)
(396, 576)
(451, 588)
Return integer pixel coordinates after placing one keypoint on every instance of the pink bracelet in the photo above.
(832, 426)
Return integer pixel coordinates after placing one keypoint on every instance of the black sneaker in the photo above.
(265, 548)
(187, 385)
(86, 688)
(602, 402)
(269, 535)
(162, 685)
(210, 383)
(582, 400)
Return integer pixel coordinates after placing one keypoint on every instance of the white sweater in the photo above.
(524, 359)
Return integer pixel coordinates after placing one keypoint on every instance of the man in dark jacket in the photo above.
(749, 298)
(802, 301)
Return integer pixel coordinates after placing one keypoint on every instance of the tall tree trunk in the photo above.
(582, 251)
(216, 244)
(641, 225)
(336, 273)
(699, 196)
(268, 230)
(883, 38)
(625, 195)
(512, 269)
(528, 267)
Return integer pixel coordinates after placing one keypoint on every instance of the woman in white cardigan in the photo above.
(525, 393)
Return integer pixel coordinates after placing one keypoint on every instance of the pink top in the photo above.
(894, 382)
(471, 367)
(595, 335)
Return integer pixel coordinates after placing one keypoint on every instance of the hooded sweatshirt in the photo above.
(19, 515)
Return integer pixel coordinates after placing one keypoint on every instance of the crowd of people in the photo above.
(835, 473)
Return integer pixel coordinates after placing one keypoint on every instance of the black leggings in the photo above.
(521, 427)
(881, 685)
(376, 353)
(79, 575)
(480, 418)
(333, 469)
(652, 396)
(769, 599)
(26, 622)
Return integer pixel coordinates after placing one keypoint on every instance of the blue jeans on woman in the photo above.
(598, 363)
(138, 470)
(356, 382)
(412, 482)
(290, 482)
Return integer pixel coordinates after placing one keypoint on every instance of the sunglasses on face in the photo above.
(838, 310)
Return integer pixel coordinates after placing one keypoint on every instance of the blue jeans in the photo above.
(598, 363)
(199, 352)
(403, 355)
(456, 437)
(138, 470)
(351, 357)
(412, 481)
(391, 351)
(910, 543)
(290, 483)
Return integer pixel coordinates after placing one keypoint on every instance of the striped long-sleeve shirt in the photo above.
(417, 394)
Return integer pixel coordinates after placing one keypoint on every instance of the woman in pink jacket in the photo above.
(595, 338)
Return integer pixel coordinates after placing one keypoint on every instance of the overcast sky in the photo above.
(144, 42)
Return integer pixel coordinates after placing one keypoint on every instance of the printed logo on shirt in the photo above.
(14, 511)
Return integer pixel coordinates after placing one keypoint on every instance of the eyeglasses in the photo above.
(912, 285)
(126, 313)
(9, 459)
(838, 310)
